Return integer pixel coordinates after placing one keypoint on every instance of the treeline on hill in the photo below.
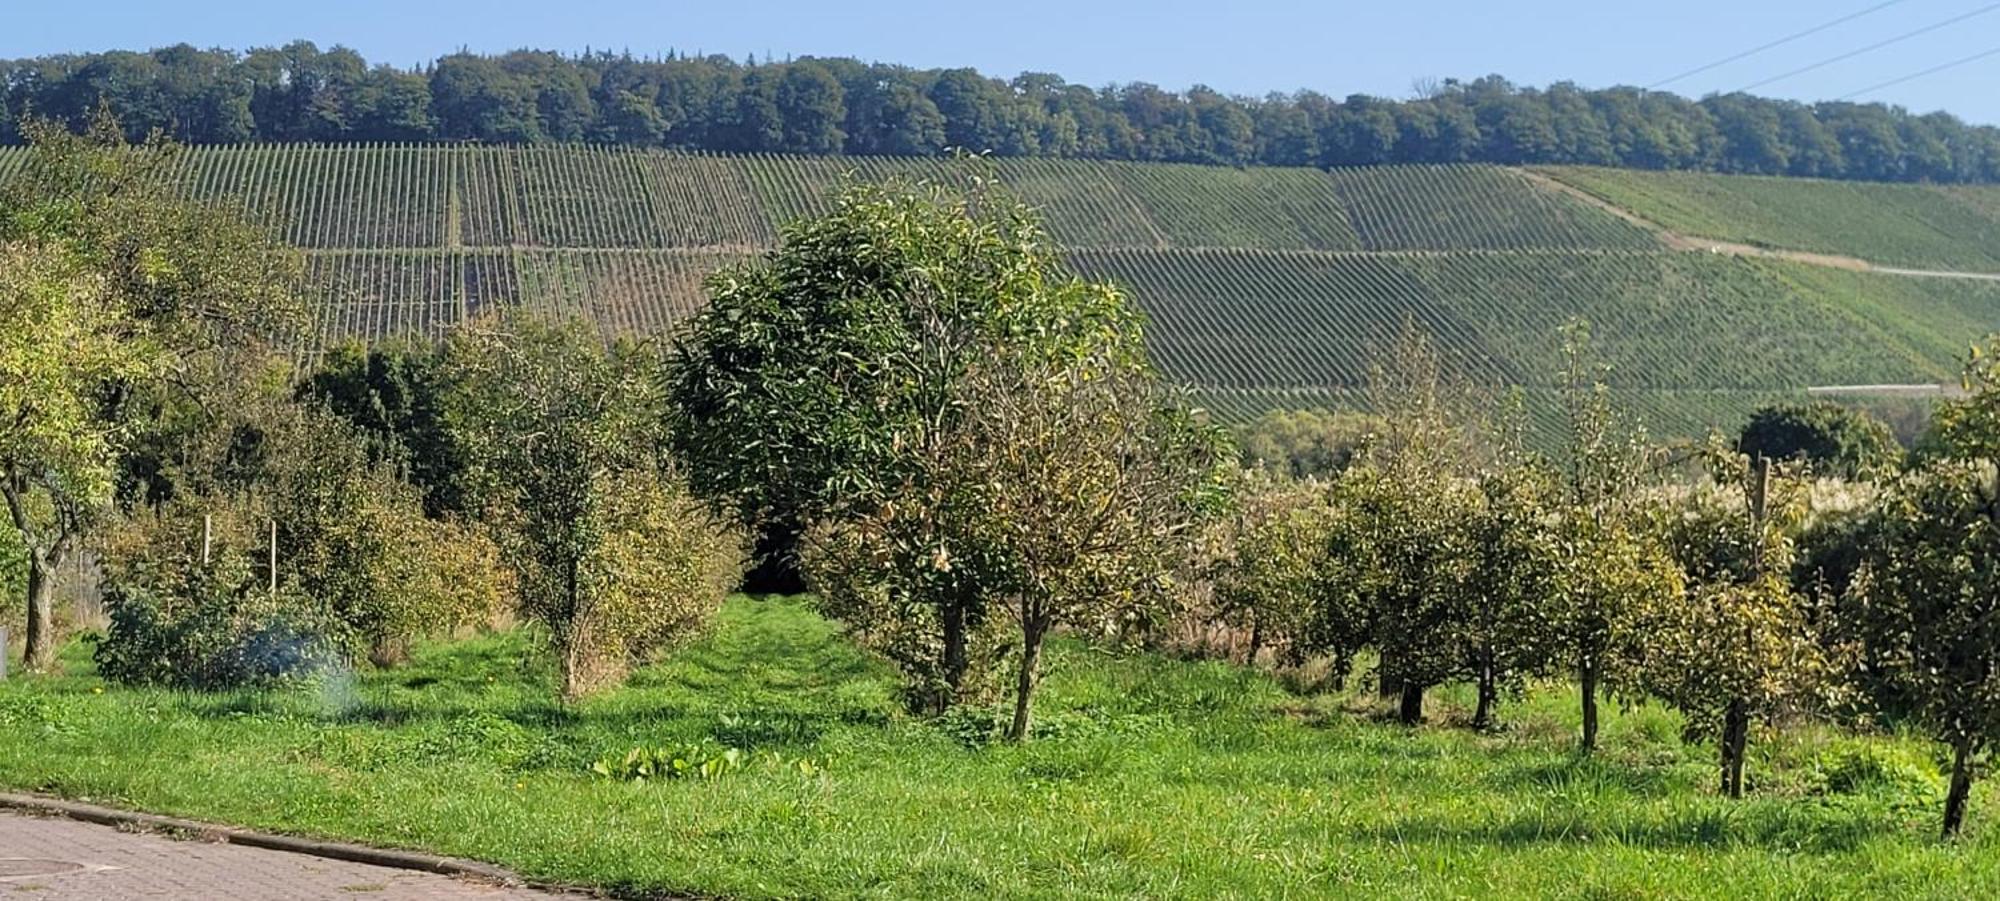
(962, 447)
(839, 105)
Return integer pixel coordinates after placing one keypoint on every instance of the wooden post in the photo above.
(274, 558)
(3, 653)
(207, 528)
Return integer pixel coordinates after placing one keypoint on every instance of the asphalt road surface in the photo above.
(51, 859)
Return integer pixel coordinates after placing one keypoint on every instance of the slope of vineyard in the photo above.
(1265, 288)
(1920, 226)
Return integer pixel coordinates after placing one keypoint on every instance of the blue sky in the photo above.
(1247, 46)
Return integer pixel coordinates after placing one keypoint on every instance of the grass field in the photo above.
(1154, 777)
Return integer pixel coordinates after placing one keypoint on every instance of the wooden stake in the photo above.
(274, 558)
(207, 527)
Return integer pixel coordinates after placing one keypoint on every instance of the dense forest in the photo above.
(834, 105)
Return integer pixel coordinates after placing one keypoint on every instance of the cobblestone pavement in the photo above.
(50, 859)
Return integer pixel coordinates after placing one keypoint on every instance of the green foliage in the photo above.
(790, 390)
(360, 570)
(1305, 443)
(1833, 438)
(832, 105)
(392, 392)
(1923, 625)
(564, 459)
(642, 764)
(178, 620)
(686, 762)
(13, 568)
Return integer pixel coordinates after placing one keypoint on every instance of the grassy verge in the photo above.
(1157, 778)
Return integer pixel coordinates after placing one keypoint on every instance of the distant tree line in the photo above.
(837, 105)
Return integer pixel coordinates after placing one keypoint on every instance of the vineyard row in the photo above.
(470, 197)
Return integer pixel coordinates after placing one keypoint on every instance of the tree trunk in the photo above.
(1735, 739)
(40, 654)
(957, 661)
(1961, 786)
(1588, 678)
(1256, 642)
(1411, 709)
(1024, 690)
(1387, 684)
(1489, 695)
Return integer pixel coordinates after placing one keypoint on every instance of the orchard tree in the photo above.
(1925, 604)
(561, 439)
(1507, 626)
(65, 340)
(121, 299)
(1274, 546)
(1738, 647)
(1613, 567)
(824, 381)
(1091, 481)
(1403, 559)
(1928, 611)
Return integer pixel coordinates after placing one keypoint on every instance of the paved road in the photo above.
(58, 860)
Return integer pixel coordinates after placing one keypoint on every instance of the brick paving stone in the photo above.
(51, 859)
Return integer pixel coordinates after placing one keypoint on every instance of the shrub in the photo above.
(175, 620)
(360, 569)
(659, 575)
(1833, 438)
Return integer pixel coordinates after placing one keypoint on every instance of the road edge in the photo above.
(344, 851)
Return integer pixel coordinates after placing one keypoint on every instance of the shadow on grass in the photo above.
(1777, 825)
(1585, 773)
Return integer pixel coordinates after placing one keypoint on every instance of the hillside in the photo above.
(1267, 287)
(1924, 226)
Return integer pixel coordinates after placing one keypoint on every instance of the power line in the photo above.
(1872, 47)
(1816, 29)
(1930, 71)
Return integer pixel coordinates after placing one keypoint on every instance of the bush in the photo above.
(1834, 439)
(353, 536)
(360, 568)
(175, 620)
(663, 569)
